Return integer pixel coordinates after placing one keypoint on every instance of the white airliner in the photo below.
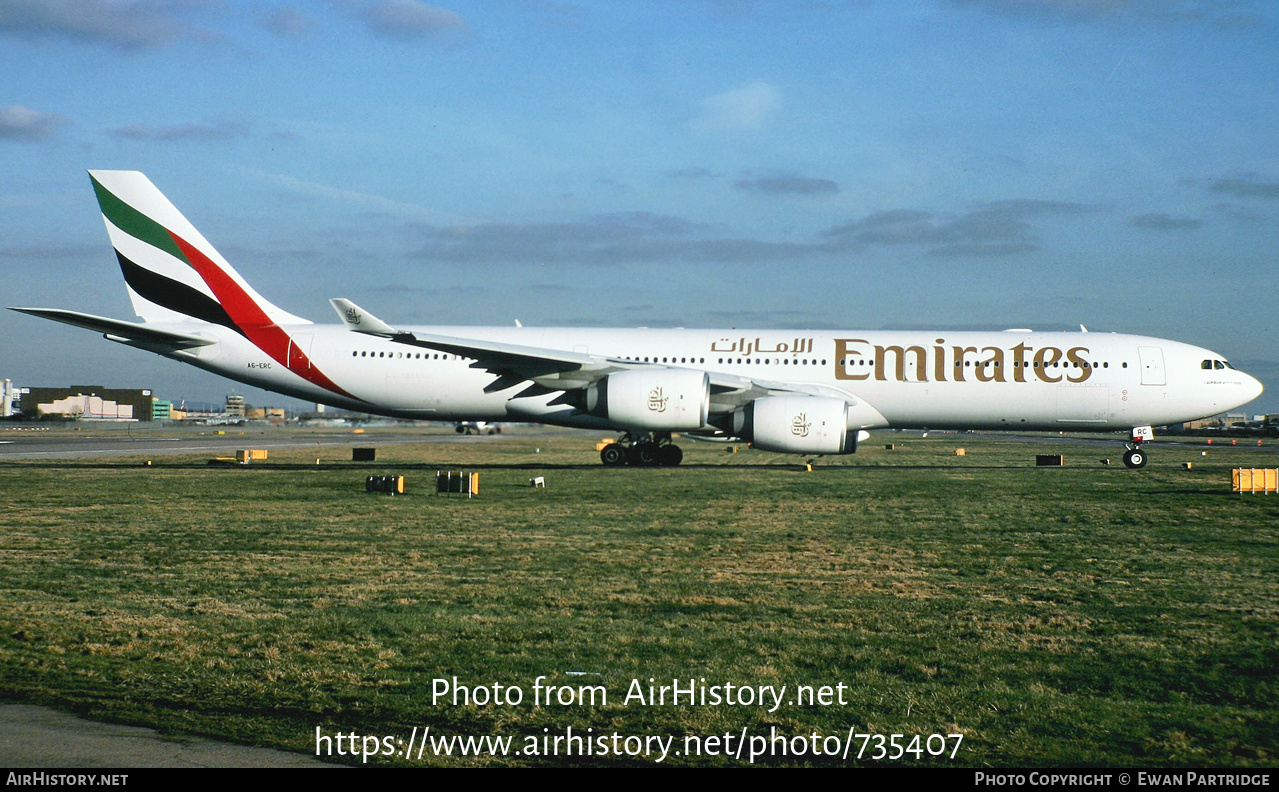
(790, 391)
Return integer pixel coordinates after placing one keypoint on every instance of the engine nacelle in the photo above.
(797, 425)
(657, 399)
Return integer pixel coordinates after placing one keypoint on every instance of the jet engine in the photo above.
(797, 425)
(658, 399)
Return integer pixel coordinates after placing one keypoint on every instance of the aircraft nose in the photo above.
(1252, 387)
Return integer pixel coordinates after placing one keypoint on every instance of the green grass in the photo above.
(1086, 615)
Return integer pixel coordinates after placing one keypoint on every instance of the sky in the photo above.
(948, 164)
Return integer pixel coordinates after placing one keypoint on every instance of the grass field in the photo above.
(1084, 615)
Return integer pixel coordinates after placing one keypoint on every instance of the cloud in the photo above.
(897, 227)
(409, 19)
(1028, 207)
(762, 319)
(983, 250)
(1224, 13)
(218, 130)
(1245, 188)
(977, 327)
(1000, 228)
(288, 21)
(51, 254)
(997, 229)
(124, 24)
(692, 173)
(23, 123)
(626, 238)
(741, 108)
(1079, 10)
(1244, 214)
(1164, 222)
(789, 185)
(367, 201)
(612, 185)
(768, 316)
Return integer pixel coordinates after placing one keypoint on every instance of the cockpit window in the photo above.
(1206, 365)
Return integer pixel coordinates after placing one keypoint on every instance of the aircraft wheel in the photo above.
(669, 455)
(613, 455)
(1135, 458)
(643, 455)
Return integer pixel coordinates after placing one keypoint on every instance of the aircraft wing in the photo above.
(549, 369)
(133, 333)
(558, 370)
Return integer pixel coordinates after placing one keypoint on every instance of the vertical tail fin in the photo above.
(172, 272)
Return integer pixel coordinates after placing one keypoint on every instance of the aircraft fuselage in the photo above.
(959, 380)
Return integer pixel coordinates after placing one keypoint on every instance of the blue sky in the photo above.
(956, 163)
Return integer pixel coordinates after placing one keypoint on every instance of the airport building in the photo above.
(8, 399)
(274, 414)
(161, 410)
(88, 402)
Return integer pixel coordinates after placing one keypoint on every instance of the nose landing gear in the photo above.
(1134, 457)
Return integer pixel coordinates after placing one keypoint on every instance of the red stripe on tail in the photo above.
(249, 317)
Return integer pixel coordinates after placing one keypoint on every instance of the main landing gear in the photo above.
(642, 449)
(1134, 457)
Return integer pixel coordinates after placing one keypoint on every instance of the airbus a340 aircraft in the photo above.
(800, 391)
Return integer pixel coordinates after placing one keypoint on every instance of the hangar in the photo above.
(90, 402)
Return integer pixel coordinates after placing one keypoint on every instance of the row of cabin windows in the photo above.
(767, 361)
(1207, 364)
(995, 363)
(644, 359)
(409, 355)
(727, 361)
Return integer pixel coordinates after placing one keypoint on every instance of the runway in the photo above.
(1161, 442)
(110, 442)
(40, 737)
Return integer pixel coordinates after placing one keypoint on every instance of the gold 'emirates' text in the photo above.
(858, 359)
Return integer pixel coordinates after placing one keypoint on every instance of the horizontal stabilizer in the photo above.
(119, 330)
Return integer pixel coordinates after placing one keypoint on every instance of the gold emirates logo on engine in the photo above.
(858, 359)
(799, 425)
(656, 401)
